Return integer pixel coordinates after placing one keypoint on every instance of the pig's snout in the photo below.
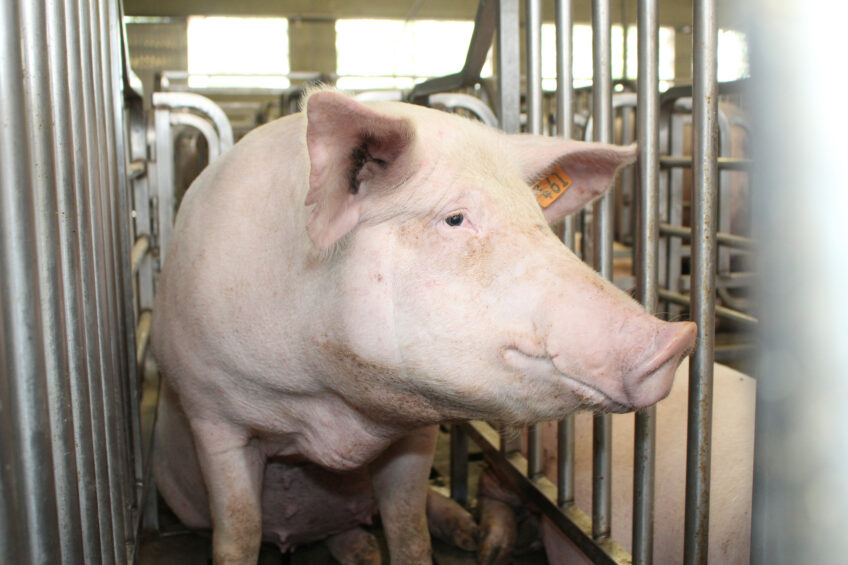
(650, 381)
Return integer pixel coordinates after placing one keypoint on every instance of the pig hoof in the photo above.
(498, 532)
(450, 522)
(354, 547)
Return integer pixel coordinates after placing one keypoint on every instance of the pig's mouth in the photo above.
(544, 367)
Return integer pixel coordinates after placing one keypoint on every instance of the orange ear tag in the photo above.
(551, 187)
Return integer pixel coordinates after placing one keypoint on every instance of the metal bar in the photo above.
(123, 342)
(509, 79)
(458, 464)
(142, 336)
(139, 251)
(564, 116)
(720, 311)
(164, 184)
(34, 498)
(205, 106)
(75, 221)
(94, 288)
(201, 125)
(647, 271)
(540, 492)
(112, 330)
(478, 48)
(704, 202)
(603, 216)
(39, 58)
(724, 163)
(509, 106)
(728, 239)
(137, 169)
(533, 54)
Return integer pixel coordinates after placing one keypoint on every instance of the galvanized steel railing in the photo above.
(68, 374)
(556, 501)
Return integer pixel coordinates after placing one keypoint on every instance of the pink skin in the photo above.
(339, 332)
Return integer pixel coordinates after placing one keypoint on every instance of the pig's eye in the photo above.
(454, 220)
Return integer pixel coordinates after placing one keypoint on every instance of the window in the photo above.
(238, 52)
(373, 54)
(732, 55)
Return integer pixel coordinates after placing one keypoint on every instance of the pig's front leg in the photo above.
(400, 484)
(232, 469)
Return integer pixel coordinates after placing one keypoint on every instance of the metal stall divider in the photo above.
(556, 501)
(69, 429)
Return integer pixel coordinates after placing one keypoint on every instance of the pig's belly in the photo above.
(305, 503)
(301, 503)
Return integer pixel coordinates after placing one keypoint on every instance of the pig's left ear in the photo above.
(354, 152)
(566, 174)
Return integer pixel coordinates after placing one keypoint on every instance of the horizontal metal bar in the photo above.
(729, 280)
(542, 493)
(721, 311)
(728, 239)
(139, 250)
(137, 169)
(142, 336)
(724, 163)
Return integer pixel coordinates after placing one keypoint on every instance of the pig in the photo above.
(731, 486)
(347, 277)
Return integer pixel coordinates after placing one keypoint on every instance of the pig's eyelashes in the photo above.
(454, 220)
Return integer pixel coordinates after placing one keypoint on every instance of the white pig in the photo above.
(347, 277)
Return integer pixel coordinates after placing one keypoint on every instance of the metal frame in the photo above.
(654, 234)
(67, 330)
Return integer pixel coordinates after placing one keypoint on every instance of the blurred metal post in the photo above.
(647, 268)
(603, 216)
(564, 116)
(509, 110)
(533, 54)
(704, 205)
(800, 198)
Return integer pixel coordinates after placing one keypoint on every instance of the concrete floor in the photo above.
(176, 545)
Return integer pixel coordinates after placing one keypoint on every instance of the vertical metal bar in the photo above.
(704, 201)
(458, 464)
(509, 78)
(647, 241)
(564, 113)
(38, 88)
(94, 286)
(123, 341)
(533, 54)
(21, 329)
(165, 177)
(603, 215)
(72, 157)
(111, 337)
(509, 104)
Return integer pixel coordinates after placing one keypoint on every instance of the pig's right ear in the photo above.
(566, 174)
(354, 152)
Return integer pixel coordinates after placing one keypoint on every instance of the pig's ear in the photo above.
(354, 151)
(565, 174)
